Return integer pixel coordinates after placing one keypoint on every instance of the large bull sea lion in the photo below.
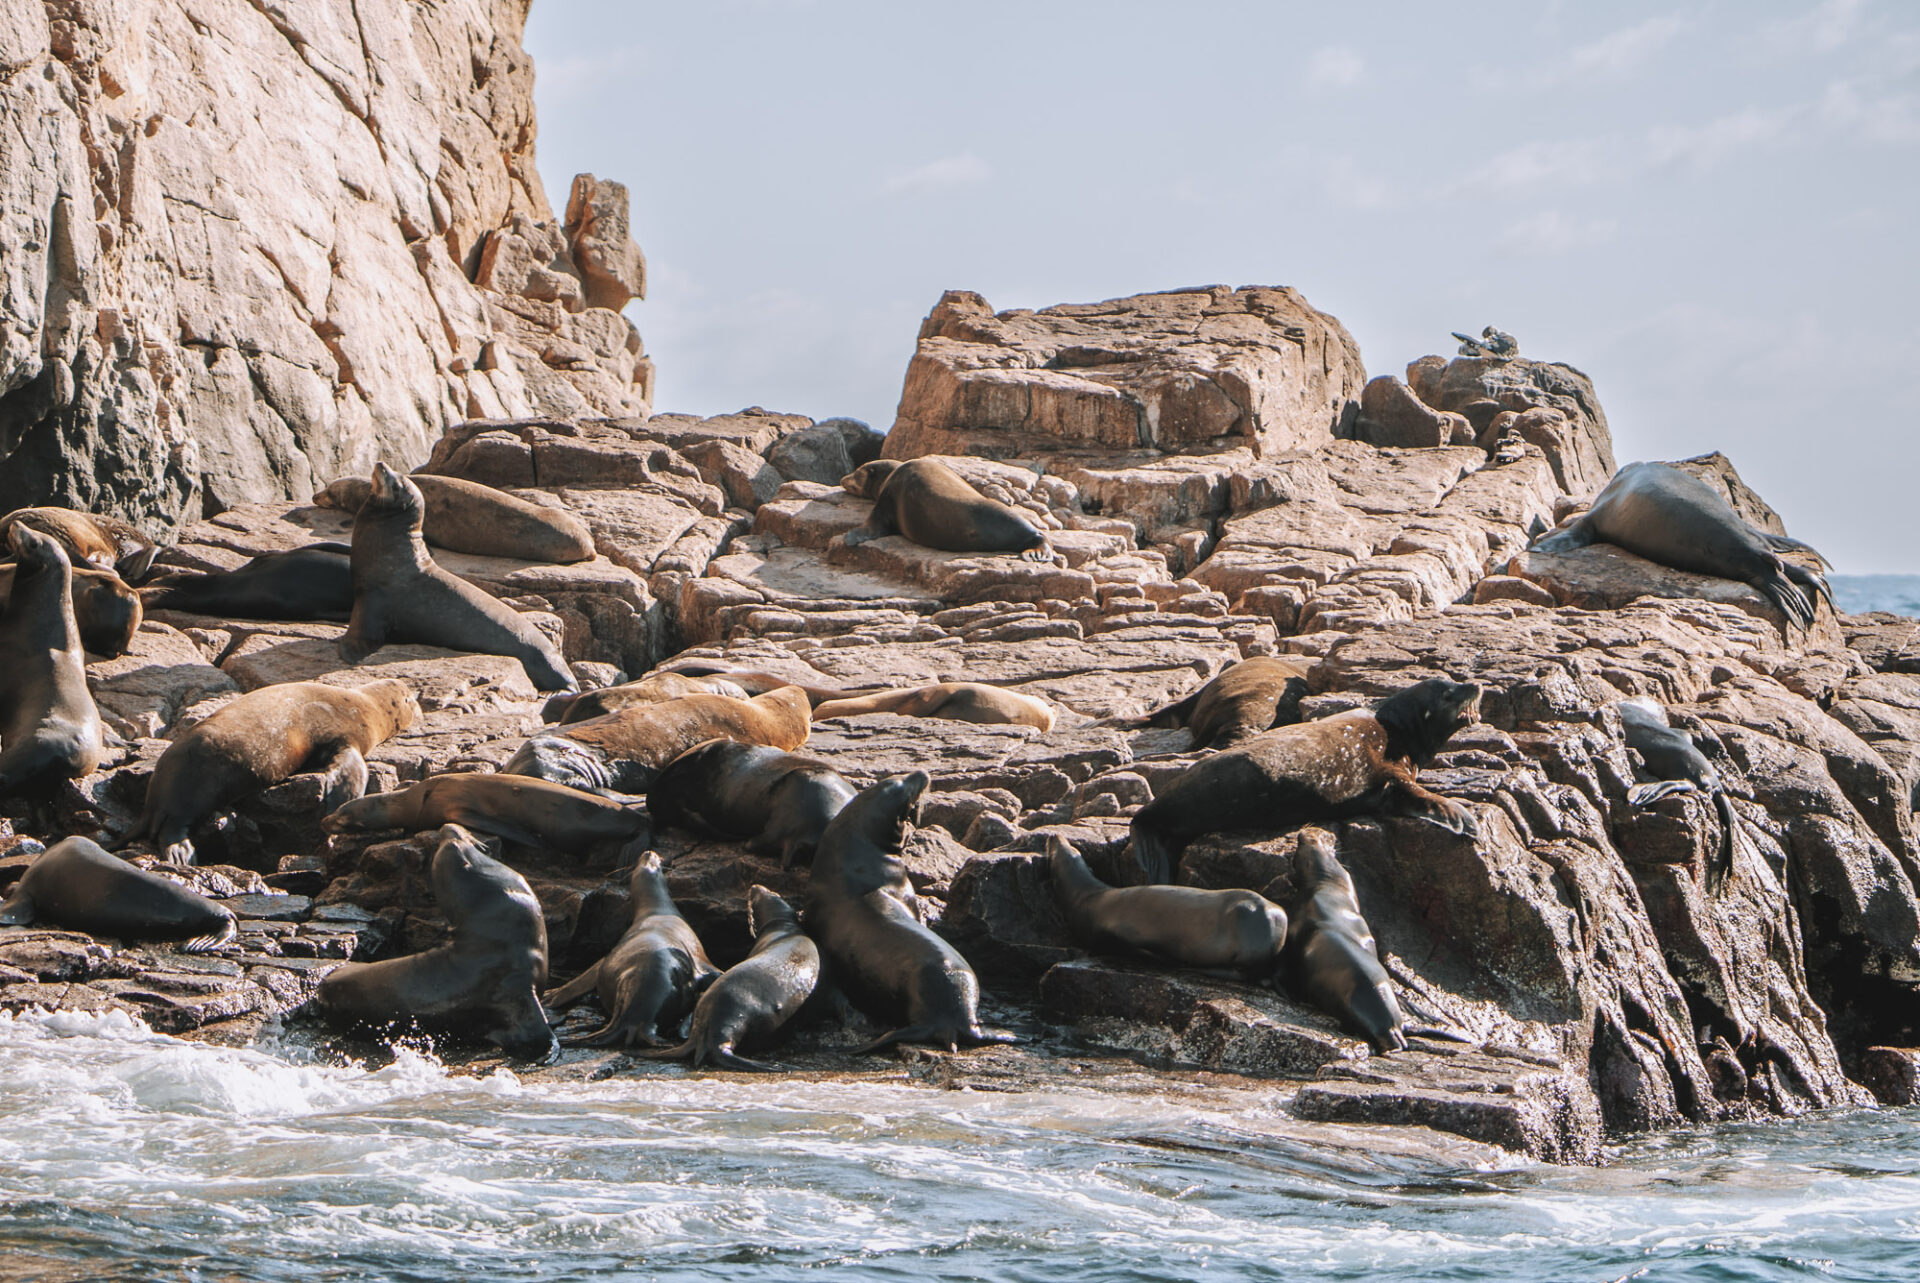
(49, 725)
(777, 802)
(516, 807)
(748, 1006)
(465, 516)
(623, 751)
(77, 885)
(935, 507)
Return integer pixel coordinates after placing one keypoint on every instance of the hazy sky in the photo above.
(1710, 208)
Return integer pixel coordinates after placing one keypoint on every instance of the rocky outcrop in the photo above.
(249, 248)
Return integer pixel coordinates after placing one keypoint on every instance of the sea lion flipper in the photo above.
(574, 990)
(213, 940)
(1039, 552)
(179, 852)
(727, 1058)
(1722, 867)
(346, 779)
(1648, 794)
(18, 911)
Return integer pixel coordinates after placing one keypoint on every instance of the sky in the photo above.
(1709, 208)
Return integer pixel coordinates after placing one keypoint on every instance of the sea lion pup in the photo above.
(480, 984)
(656, 688)
(105, 543)
(515, 807)
(623, 751)
(1330, 955)
(1241, 932)
(400, 595)
(314, 582)
(1668, 515)
(1362, 762)
(777, 802)
(874, 946)
(752, 1002)
(465, 516)
(935, 507)
(1676, 762)
(264, 737)
(77, 885)
(106, 609)
(49, 725)
(1247, 698)
(955, 701)
(649, 982)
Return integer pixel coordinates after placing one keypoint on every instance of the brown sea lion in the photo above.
(1360, 763)
(755, 682)
(876, 948)
(955, 701)
(1241, 932)
(625, 750)
(1330, 955)
(935, 507)
(106, 609)
(1668, 515)
(777, 802)
(650, 980)
(400, 595)
(656, 688)
(748, 1006)
(310, 583)
(516, 807)
(105, 543)
(481, 983)
(49, 725)
(78, 886)
(465, 516)
(1247, 698)
(262, 738)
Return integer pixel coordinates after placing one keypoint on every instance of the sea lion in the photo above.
(1362, 762)
(955, 701)
(105, 543)
(1330, 955)
(400, 595)
(1241, 932)
(752, 1002)
(623, 751)
(516, 807)
(875, 947)
(935, 507)
(649, 982)
(656, 688)
(465, 516)
(1247, 698)
(106, 609)
(1677, 764)
(755, 682)
(262, 738)
(48, 722)
(78, 886)
(481, 982)
(777, 802)
(1668, 515)
(310, 583)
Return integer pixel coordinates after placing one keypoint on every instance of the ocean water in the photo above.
(130, 1155)
(1857, 594)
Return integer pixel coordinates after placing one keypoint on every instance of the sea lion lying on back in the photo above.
(1668, 515)
(77, 885)
(515, 807)
(106, 609)
(49, 725)
(310, 583)
(778, 802)
(955, 701)
(1362, 762)
(465, 516)
(1247, 698)
(104, 543)
(623, 751)
(935, 507)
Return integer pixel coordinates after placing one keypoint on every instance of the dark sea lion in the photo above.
(875, 947)
(955, 701)
(1363, 762)
(400, 595)
(748, 1006)
(1247, 698)
(78, 886)
(656, 688)
(1678, 766)
(1668, 515)
(623, 751)
(310, 583)
(107, 610)
(478, 985)
(262, 738)
(777, 802)
(105, 543)
(650, 980)
(49, 725)
(935, 507)
(515, 807)
(1234, 931)
(465, 516)
(1330, 955)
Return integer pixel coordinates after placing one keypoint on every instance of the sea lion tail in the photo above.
(1648, 794)
(213, 940)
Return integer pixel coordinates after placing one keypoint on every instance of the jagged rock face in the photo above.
(241, 248)
(1186, 371)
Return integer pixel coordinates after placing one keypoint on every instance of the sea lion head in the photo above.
(647, 886)
(35, 549)
(1423, 717)
(767, 912)
(1315, 860)
(393, 493)
(346, 494)
(111, 611)
(864, 482)
(861, 842)
(395, 701)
